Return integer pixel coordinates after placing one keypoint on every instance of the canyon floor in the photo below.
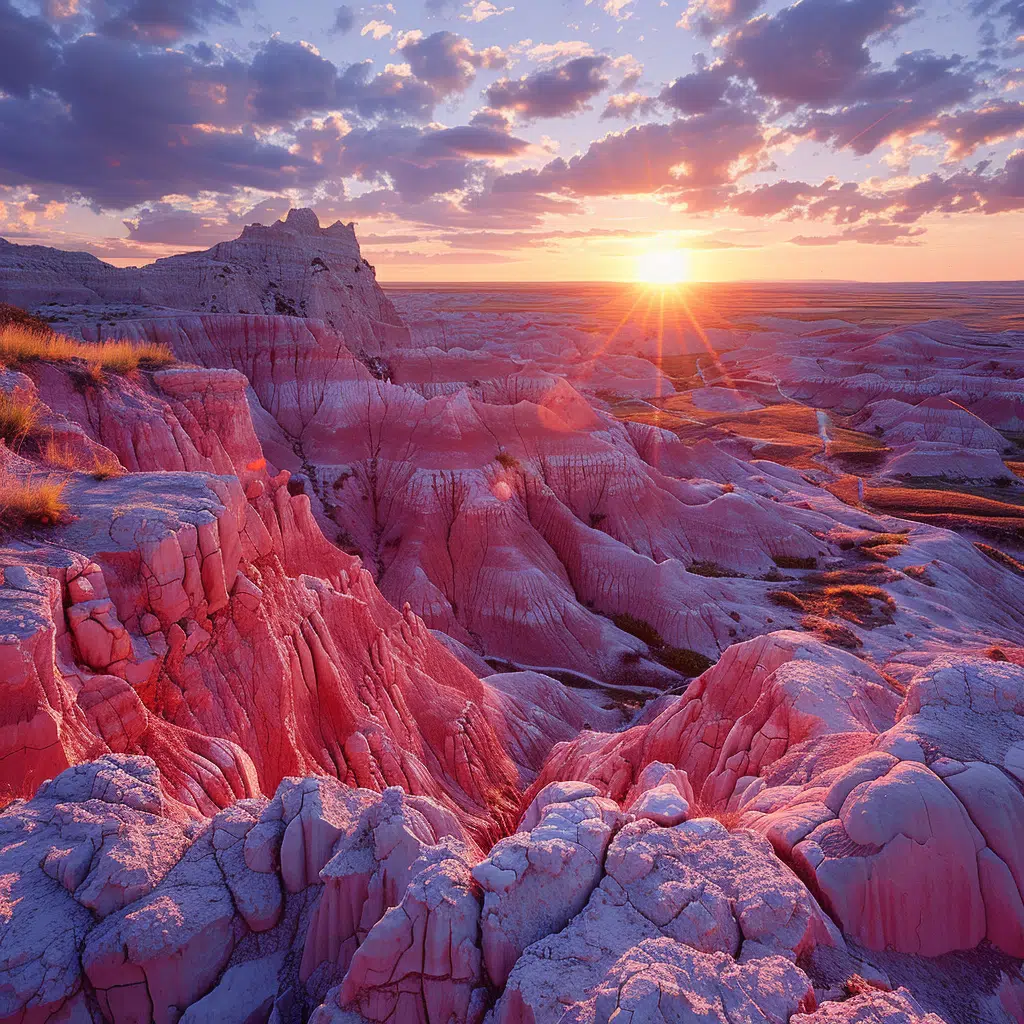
(511, 654)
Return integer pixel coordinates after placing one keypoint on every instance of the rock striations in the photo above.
(369, 677)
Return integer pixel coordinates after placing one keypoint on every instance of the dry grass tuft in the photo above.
(786, 599)
(507, 461)
(793, 562)
(730, 819)
(712, 570)
(855, 985)
(919, 573)
(834, 633)
(64, 456)
(884, 540)
(20, 345)
(853, 602)
(18, 418)
(1005, 560)
(32, 501)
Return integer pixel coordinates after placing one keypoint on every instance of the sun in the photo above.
(662, 268)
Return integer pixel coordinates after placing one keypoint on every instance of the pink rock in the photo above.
(535, 881)
(421, 962)
(663, 981)
(873, 1007)
(695, 884)
(916, 852)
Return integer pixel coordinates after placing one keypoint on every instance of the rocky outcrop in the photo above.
(292, 268)
(337, 904)
(914, 845)
(204, 620)
(365, 676)
(763, 698)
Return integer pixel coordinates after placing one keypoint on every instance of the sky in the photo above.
(533, 140)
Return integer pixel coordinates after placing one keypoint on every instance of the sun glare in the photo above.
(662, 268)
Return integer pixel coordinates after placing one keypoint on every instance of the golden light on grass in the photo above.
(36, 500)
(663, 268)
(23, 345)
(18, 417)
(66, 456)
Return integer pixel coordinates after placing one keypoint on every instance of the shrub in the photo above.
(877, 540)
(786, 599)
(853, 601)
(919, 573)
(35, 500)
(15, 316)
(21, 345)
(683, 660)
(637, 627)
(792, 562)
(506, 460)
(712, 570)
(18, 417)
(678, 659)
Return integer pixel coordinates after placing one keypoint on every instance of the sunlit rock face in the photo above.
(488, 671)
(292, 268)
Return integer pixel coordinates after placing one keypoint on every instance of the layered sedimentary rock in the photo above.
(292, 268)
(368, 680)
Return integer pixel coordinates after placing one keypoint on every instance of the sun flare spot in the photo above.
(663, 268)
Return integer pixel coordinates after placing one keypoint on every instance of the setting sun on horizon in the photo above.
(663, 268)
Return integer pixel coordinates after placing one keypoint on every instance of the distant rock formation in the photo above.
(254, 777)
(294, 268)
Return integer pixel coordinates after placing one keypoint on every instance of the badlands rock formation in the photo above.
(490, 670)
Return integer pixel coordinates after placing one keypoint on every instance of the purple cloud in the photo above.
(551, 92)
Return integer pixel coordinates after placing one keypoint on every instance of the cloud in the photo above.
(1012, 10)
(995, 121)
(28, 51)
(344, 21)
(166, 224)
(163, 21)
(473, 141)
(551, 92)
(377, 29)
(544, 53)
(898, 102)
(616, 8)
(416, 162)
(872, 233)
(387, 94)
(528, 239)
(403, 258)
(447, 61)
(707, 17)
(628, 105)
(810, 53)
(482, 10)
(698, 92)
(291, 79)
(688, 153)
(873, 213)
